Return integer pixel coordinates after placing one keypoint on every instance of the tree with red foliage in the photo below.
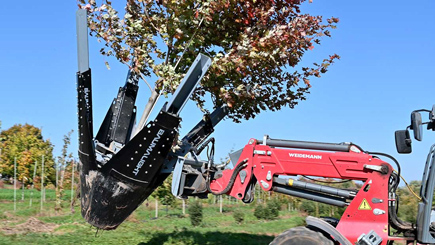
(255, 45)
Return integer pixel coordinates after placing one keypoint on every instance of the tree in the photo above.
(26, 144)
(195, 213)
(63, 161)
(163, 193)
(255, 45)
(408, 207)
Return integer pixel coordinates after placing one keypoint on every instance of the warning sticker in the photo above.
(364, 205)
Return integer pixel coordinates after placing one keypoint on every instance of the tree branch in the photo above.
(141, 76)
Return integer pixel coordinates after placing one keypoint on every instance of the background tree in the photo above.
(255, 45)
(63, 161)
(25, 142)
(163, 193)
(408, 202)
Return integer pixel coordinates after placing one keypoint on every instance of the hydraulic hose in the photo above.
(394, 221)
(198, 150)
(394, 160)
(237, 169)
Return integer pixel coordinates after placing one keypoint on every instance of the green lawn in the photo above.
(28, 225)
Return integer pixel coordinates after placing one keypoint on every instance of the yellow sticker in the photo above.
(290, 182)
(364, 205)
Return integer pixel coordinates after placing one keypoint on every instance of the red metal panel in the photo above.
(238, 189)
(357, 218)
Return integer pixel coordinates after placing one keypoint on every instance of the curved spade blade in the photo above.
(112, 193)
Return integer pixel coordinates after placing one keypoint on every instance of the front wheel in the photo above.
(301, 236)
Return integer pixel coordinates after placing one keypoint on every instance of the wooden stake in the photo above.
(72, 181)
(22, 189)
(57, 178)
(43, 175)
(42, 184)
(157, 208)
(15, 184)
(33, 183)
(184, 206)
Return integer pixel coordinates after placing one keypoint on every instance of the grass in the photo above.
(141, 227)
(50, 195)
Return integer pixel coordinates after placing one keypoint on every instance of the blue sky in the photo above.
(386, 70)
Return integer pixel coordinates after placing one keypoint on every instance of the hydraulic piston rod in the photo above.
(318, 197)
(344, 147)
(315, 187)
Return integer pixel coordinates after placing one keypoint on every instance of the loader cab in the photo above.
(425, 228)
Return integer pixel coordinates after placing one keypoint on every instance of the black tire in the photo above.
(301, 236)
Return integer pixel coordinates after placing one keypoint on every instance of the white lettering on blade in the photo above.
(148, 151)
(298, 155)
(86, 92)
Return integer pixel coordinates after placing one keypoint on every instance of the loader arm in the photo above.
(272, 164)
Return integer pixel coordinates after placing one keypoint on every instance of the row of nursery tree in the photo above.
(27, 158)
(25, 146)
(267, 205)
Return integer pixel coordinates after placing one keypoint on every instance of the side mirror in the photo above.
(403, 141)
(416, 125)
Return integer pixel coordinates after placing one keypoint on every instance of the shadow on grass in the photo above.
(192, 237)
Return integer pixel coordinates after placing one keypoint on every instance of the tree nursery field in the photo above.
(30, 225)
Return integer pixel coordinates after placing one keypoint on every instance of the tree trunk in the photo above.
(59, 193)
(77, 196)
(147, 111)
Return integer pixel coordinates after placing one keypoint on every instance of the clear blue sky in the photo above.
(386, 71)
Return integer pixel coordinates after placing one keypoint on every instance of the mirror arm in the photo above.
(408, 142)
(422, 110)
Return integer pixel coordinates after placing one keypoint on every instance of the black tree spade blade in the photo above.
(117, 174)
(112, 193)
